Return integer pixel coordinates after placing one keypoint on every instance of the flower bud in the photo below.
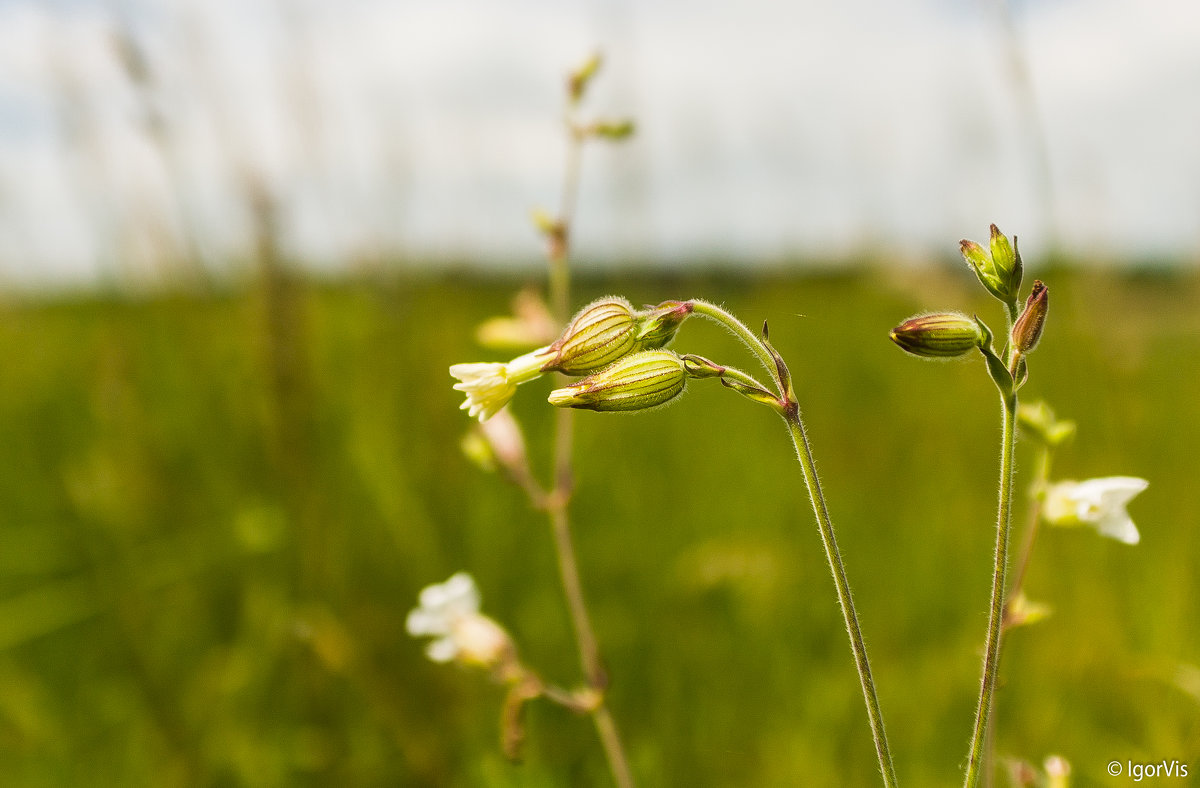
(700, 367)
(1001, 272)
(1039, 421)
(941, 335)
(614, 130)
(1007, 261)
(657, 325)
(635, 382)
(599, 334)
(1028, 329)
(578, 80)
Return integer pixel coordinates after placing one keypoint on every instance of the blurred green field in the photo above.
(216, 512)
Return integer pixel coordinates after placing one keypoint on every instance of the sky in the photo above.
(135, 130)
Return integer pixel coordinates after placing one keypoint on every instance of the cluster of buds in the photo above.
(951, 334)
(603, 332)
(1000, 272)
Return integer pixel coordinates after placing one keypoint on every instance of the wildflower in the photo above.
(941, 335)
(636, 382)
(449, 612)
(1099, 503)
(602, 332)
(490, 385)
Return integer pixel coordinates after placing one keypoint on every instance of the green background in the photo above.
(216, 511)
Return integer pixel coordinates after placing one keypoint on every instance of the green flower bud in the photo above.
(1028, 329)
(578, 80)
(614, 130)
(942, 335)
(1039, 421)
(600, 333)
(700, 367)
(657, 325)
(1001, 272)
(635, 382)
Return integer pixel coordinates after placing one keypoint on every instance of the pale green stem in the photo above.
(825, 525)
(738, 329)
(790, 412)
(559, 497)
(991, 657)
(1035, 517)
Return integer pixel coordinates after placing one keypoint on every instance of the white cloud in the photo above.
(432, 128)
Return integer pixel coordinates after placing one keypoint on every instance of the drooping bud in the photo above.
(657, 325)
(637, 381)
(940, 335)
(1028, 329)
(599, 334)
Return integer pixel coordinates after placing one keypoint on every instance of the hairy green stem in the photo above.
(790, 412)
(838, 570)
(991, 657)
(738, 329)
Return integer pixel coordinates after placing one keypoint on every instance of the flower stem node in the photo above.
(1027, 331)
(1099, 503)
(940, 335)
(638, 381)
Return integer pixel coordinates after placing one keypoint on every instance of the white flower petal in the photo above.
(442, 650)
(424, 622)
(1119, 526)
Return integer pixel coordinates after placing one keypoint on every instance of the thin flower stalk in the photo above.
(557, 502)
(991, 659)
(789, 410)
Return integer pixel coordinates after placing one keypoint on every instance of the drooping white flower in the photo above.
(1099, 503)
(490, 385)
(449, 612)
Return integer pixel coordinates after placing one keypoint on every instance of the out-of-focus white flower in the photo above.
(490, 385)
(1099, 503)
(449, 612)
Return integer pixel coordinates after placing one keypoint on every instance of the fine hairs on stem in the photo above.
(789, 410)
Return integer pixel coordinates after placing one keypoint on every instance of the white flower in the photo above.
(1099, 503)
(490, 385)
(449, 612)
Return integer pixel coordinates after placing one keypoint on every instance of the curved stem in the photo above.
(738, 329)
(838, 570)
(991, 657)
